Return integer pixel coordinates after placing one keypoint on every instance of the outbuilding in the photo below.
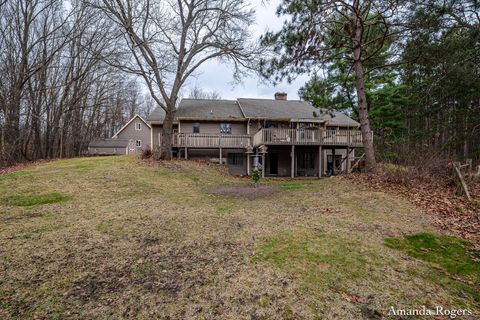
(110, 147)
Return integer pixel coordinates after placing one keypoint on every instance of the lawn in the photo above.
(113, 237)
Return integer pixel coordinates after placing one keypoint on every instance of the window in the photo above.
(138, 143)
(138, 126)
(196, 127)
(235, 159)
(225, 128)
(272, 126)
(306, 160)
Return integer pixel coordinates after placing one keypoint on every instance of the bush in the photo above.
(256, 177)
(146, 153)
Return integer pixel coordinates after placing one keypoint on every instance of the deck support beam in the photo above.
(220, 155)
(347, 165)
(248, 164)
(292, 162)
(333, 161)
(263, 165)
(320, 161)
(186, 153)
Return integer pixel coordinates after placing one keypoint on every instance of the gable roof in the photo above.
(108, 143)
(277, 109)
(207, 109)
(157, 115)
(130, 121)
(245, 108)
(338, 118)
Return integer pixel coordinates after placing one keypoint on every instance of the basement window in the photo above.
(138, 126)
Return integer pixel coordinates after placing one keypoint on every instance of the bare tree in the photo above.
(169, 40)
(28, 30)
(199, 93)
(56, 93)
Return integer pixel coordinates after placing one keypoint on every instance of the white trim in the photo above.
(151, 140)
(130, 121)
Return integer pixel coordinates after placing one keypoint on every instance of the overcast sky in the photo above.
(214, 76)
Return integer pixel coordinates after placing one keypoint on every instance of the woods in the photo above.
(56, 93)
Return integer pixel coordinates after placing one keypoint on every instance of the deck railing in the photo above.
(307, 137)
(351, 138)
(201, 140)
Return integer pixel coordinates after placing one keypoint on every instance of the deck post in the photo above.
(348, 160)
(333, 160)
(292, 162)
(220, 155)
(186, 153)
(263, 165)
(248, 164)
(320, 160)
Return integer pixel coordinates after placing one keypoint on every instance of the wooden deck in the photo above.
(200, 140)
(350, 138)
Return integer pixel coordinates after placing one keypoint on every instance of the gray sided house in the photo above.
(136, 134)
(280, 137)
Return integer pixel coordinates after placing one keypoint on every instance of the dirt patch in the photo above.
(245, 191)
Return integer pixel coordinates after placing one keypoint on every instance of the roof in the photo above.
(338, 118)
(157, 115)
(108, 143)
(244, 108)
(206, 109)
(278, 109)
(130, 121)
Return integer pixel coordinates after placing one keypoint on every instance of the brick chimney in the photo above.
(280, 96)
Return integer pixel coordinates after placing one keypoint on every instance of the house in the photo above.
(281, 137)
(132, 138)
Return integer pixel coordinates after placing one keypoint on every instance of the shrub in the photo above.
(256, 177)
(146, 153)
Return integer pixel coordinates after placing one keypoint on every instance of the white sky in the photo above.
(213, 76)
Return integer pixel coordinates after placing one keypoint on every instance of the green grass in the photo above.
(451, 263)
(34, 200)
(319, 259)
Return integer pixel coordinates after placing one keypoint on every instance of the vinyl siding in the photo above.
(106, 151)
(130, 133)
(212, 127)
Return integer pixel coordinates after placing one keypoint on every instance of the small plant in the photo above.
(146, 153)
(256, 177)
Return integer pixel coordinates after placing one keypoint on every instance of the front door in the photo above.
(273, 163)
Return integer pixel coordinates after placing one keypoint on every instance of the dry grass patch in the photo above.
(245, 191)
(141, 240)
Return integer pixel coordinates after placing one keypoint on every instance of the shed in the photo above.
(109, 147)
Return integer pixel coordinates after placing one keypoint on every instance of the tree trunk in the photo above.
(167, 130)
(367, 136)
